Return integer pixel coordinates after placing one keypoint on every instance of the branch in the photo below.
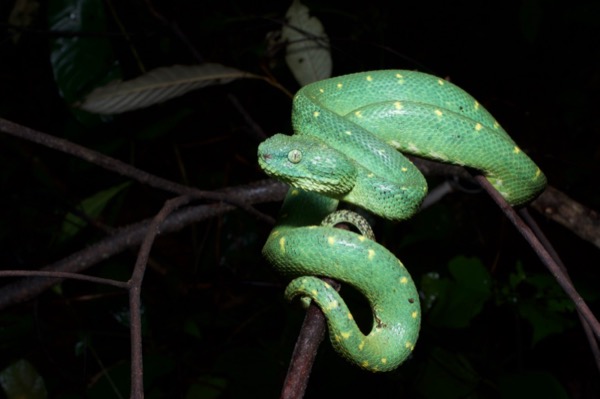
(552, 203)
(132, 235)
(135, 290)
(561, 278)
(123, 168)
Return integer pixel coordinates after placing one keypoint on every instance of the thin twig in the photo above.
(593, 342)
(543, 254)
(131, 236)
(135, 289)
(54, 275)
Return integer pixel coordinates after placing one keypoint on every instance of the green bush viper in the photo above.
(349, 134)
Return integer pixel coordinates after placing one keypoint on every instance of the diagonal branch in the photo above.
(123, 168)
(561, 278)
(131, 236)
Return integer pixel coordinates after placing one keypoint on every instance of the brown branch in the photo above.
(63, 275)
(552, 203)
(310, 337)
(592, 341)
(135, 289)
(543, 254)
(132, 235)
(581, 220)
(123, 168)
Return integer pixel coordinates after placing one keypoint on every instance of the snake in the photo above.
(351, 134)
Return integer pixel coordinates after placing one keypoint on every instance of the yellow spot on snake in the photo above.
(408, 344)
(295, 192)
(337, 338)
(361, 238)
(282, 244)
(496, 125)
(339, 85)
(371, 254)
(326, 285)
(413, 147)
(399, 76)
(403, 280)
(394, 143)
(476, 105)
(274, 233)
(332, 305)
(348, 132)
(350, 317)
(538, 172)
(312, 227)
(383, 360)
(369, 78)
(438, 112)
(358, 114)
(398, 105)
(316, 114)
(478, 127)
(371, 175)
(440, 82)
(437, 155)
(314, 292)
(361, 345)
(517, 150)
(404, 169)
(331, 240)
(321, 91)
(414, 314)
(346, 335)
(365, 364)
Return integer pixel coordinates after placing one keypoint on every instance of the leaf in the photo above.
(91, 207)
(530, 384)
(80, 62)
(455, 302)
(308, 53)
(158, 85)
(454, 376)
(21, 380)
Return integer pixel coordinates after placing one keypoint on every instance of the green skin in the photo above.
(348, 134)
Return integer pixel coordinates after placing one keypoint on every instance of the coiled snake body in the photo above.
(348, 134)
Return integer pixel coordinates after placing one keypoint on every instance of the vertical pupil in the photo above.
(294, 156)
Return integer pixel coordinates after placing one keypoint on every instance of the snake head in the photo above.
(307, 163)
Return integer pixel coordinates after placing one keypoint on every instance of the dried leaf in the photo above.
(156, 86)
(307, 54)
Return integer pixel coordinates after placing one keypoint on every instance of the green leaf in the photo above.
(453, 303)
(91, 207)
(21, 380)
(531, 384)
(209, 387)
(454, 376)
(83, 57)
(540, 301)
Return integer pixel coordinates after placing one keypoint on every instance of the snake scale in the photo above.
(349, 135)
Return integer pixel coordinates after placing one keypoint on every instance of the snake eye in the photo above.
(295, 156)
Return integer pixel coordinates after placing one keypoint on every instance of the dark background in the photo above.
(215, 322)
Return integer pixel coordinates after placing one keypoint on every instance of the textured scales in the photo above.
(347, 133)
